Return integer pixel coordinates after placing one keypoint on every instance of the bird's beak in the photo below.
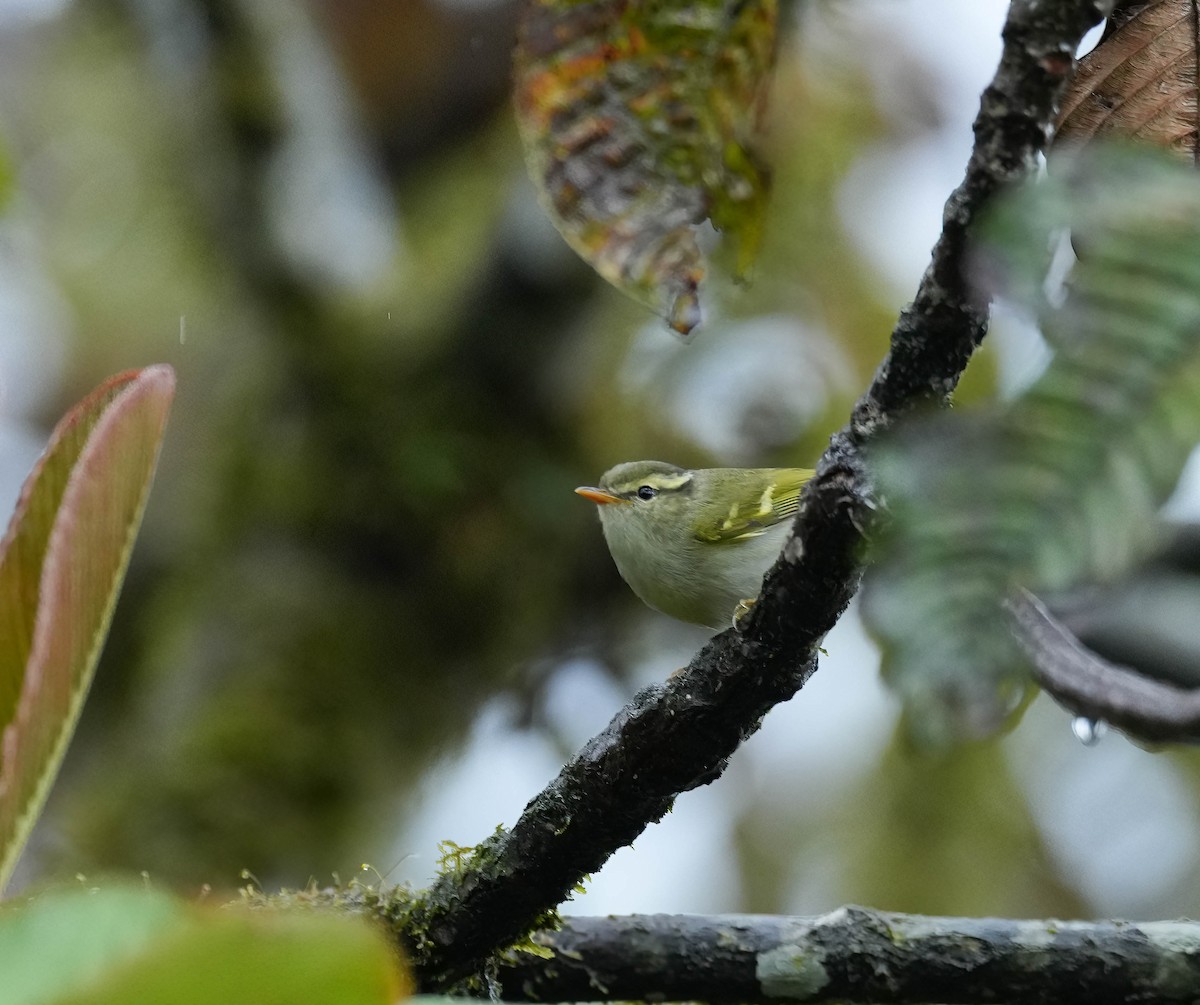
(598, 495)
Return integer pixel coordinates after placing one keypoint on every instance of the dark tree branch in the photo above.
(946, 321)
(1086, 684)
(676, 736)
(860, 955)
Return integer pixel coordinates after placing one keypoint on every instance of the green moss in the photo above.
(407, 914)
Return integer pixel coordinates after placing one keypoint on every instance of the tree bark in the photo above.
(860, 955)
(1086, 684)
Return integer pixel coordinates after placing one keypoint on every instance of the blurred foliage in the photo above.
(331, 580)
(1062, 486)
(7, 178)
(364, 505)
(930, 817)
(391, 373)
(139, 945)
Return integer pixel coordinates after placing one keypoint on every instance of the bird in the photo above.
(695, 543)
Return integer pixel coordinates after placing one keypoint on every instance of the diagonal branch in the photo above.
(860, 955)
(678, 735)
(947, 319)
(1086, 684)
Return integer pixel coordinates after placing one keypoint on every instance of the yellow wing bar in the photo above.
(768, 499)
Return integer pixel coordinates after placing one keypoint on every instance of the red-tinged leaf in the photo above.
(61, 566)
(24, 546)
(638, 121)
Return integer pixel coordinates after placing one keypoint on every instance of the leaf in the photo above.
(139, 946)
(62, 940)
(266, 959)
(61, 566)
(1140, 82)
(1062, 486)
(638, 121)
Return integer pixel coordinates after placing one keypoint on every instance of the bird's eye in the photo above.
(647, 492)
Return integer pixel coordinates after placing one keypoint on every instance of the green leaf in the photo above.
(267, 959)
(138, 946)
(1060, 487)
(66, 939)
(638, 122)
(61, 566)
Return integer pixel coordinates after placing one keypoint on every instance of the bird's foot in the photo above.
(742, 609)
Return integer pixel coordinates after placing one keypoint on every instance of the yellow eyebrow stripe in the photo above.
(668, 482)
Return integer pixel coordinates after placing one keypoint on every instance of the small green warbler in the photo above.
(695, 544)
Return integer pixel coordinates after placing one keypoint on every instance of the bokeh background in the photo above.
(366, 612)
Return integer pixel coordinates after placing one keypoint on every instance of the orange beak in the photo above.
(598, 495)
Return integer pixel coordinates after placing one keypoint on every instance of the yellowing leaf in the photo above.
(61, 566)
(637, 120)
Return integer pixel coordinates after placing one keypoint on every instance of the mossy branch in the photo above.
(855, 954)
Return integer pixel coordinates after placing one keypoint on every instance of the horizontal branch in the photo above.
(860, 955)
(1086, 684)
(678, 735)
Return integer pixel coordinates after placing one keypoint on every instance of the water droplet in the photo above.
(685, 312)
(1088, 731)
(493, 985)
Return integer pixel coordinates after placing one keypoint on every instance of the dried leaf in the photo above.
(61, 566)
(1140, 82)
(637, 120)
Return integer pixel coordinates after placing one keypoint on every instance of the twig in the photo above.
(1086, 684)
(863, 956)
(676, 736)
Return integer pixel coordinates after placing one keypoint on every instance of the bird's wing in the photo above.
(767, 501)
